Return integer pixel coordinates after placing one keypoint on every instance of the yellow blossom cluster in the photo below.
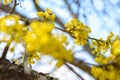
(100, 45)
(40, 32)
(10, 25)
(37, 38)
(47, 15)
(57, 50)
(109, 72)
(78, 30)
(40, 40)
(109, 65)
(115, 51)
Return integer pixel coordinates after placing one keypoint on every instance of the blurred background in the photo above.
(102, 16)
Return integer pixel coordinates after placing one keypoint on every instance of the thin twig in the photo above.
(95, 39)
(74, 37)
(61, 29)
(64, 31)
(98, 65)
(74, 71)
(14, 6)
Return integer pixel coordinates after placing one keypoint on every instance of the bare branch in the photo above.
(74, 71)
(14, 6)
(82, 65)
(6, 49)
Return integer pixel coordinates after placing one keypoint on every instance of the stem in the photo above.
(64, 31)
(61, 29)
(99, 65)
(95, 39)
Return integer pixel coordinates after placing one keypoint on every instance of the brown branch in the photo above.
(12, 71)
(14, 6)
(100, 65)
(82, 65)
(95, 39)
(5, 52)
(61, 29)
(64, 31)
(74, 71)
(89, 50)
(6, 49)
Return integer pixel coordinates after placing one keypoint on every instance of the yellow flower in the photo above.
(8, 23)
(41, 27)
(78, 30)
(59, 63)
(47, 15)
(101, 46)
(115, 50)
(30, 48)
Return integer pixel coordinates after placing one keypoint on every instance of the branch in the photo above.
(5, 52)
(95, 39)
(6, 49)
(82, 65)
(12, 71)
(14, 6)
(74, 71)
